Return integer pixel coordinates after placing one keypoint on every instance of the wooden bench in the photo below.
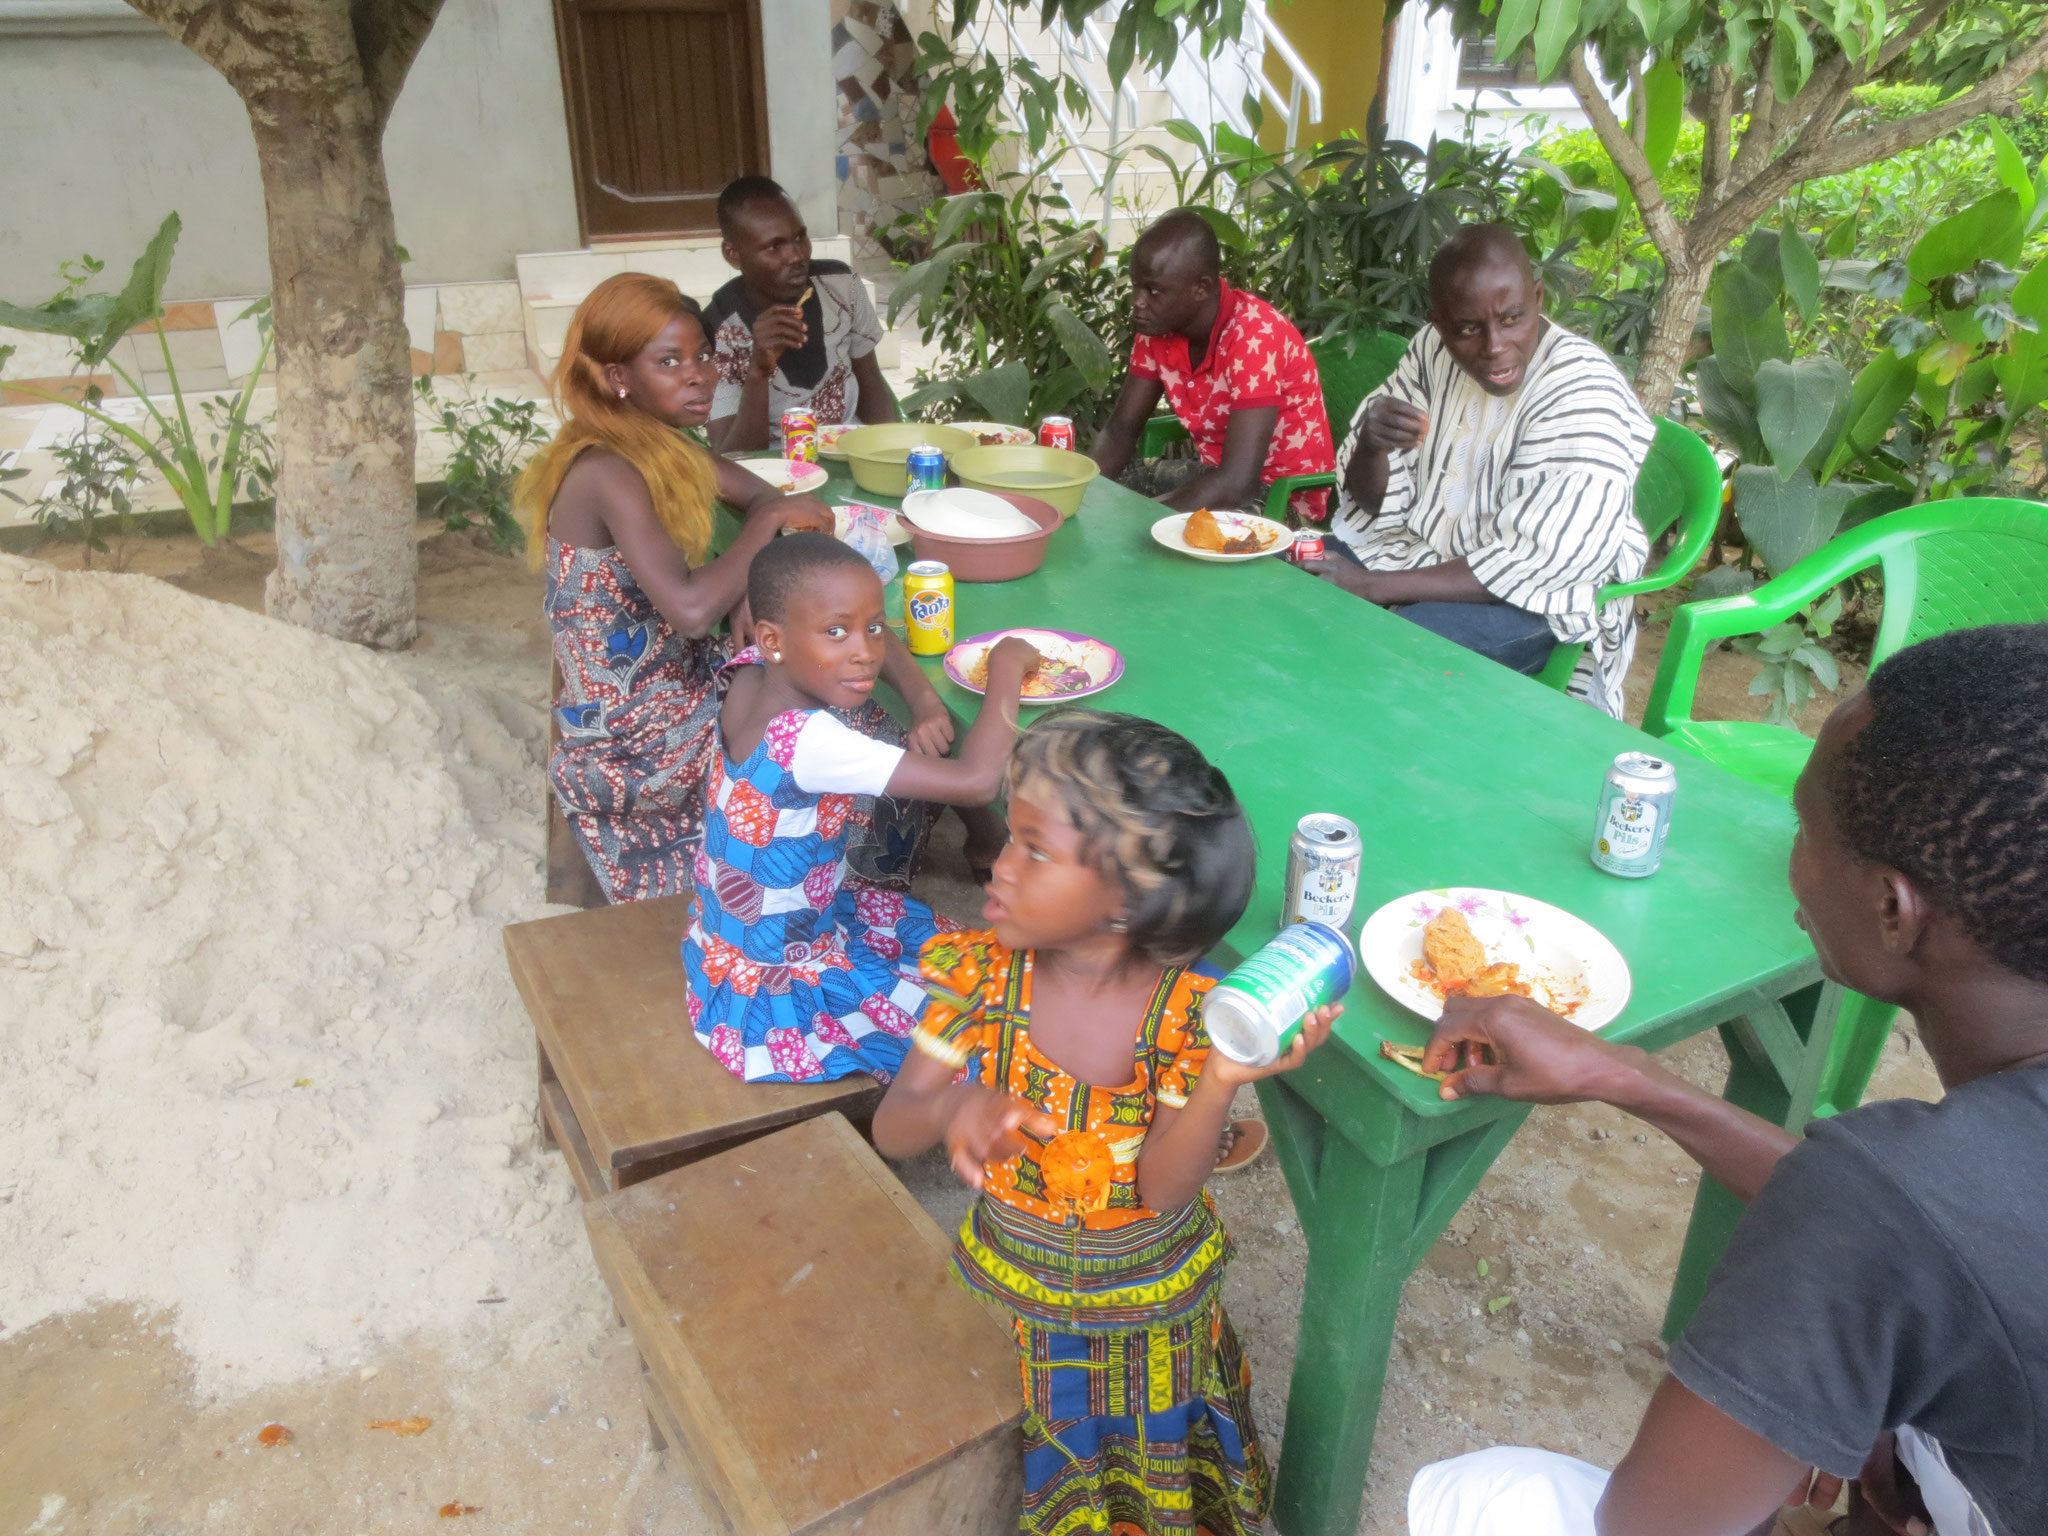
(625, 1089)
(804, 1352)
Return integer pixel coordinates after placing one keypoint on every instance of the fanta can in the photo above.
(928, 607)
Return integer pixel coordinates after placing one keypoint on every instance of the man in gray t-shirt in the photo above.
(1880, 1314)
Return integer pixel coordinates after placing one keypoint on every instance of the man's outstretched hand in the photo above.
(1536, 1057)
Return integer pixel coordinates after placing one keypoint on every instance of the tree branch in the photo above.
(1922, 21)
(388, 37)
(1665, 231)
(1760, 137)
(1719, 123)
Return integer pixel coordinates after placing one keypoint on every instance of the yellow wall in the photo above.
(1339, 40)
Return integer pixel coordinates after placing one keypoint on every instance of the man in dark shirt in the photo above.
(1881, 1312)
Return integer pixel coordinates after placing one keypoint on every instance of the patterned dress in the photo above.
(800, 970)
(1137, 1399)
(637, 717)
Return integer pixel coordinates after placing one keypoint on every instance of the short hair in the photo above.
(1185, 230)
(1155, 816)
(742, 192)
(779, 572)
(1477, 245)
(1948, 783)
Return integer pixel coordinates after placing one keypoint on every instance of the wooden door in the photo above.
(666, 105)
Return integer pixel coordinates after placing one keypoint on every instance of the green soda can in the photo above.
(1254, 1014)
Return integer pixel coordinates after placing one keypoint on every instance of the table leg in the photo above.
(1777, 1060)
(1368, 1226)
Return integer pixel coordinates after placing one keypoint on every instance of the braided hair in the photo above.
(1155, 816)
(1948, 783)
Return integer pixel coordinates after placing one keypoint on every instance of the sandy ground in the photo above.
(1579, 1224)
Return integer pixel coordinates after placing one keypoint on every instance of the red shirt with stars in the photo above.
(1255, 358)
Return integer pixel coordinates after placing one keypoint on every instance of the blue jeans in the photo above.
(1514, 637)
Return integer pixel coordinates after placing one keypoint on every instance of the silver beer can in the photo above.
(1254, 1014)
(1323, 859)
(1635, 815)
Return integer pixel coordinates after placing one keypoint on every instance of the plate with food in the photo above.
(829, 434)
(1464, 940)
(792, 477)
(1075, 666)
(1222, 535)
(997, 434)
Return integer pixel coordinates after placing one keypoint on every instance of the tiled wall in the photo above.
(456, 328)
(883, 167)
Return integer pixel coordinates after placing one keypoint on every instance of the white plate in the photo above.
(1169, 531)
(1012, 437)
(1101, 663)
(958, 512)
(792, 477)
(1571, 967)
(829, 434)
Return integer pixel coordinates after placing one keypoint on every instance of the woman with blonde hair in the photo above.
(618, 510)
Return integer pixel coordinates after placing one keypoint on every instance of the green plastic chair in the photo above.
(1351, 364)
(1947, 565)
(1679, 483)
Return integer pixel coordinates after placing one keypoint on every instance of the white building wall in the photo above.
(1425, 101)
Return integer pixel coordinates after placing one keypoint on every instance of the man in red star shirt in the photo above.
(1234, 369)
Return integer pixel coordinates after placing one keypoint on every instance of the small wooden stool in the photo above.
(804, 1351)
(625, 1089)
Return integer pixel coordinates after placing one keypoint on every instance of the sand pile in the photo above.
(259, 1057)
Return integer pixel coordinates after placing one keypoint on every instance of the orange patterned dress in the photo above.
(1137, 1398)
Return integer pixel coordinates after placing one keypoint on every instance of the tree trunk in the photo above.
(1664, 354)
(347, 564)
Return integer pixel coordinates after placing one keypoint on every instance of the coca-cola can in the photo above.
(1056, 432)
(1307, 545)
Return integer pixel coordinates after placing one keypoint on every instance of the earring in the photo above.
(622, 394)
(775, 655)
(1119, 925)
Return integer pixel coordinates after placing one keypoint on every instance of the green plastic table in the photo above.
(1458, 772)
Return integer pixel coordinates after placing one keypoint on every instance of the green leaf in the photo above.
(1005, 392)
(1727, 412)
(1228, 230)
(1484, 1267)
(1885, 384)
(1498, 1305)
(1557, 28)
(1991, 227)
(1801, 271)
(1786, 520)
(1791, 55)
(1663, 110)
(929, 394)
(1123, 43)
(1799, 409)
(1747, 327)
(2011, 167)
(1089, 352)
(2023, 368)
(1517, 21)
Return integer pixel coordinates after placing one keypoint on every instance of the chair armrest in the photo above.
(1159, 433)
(1286, 487)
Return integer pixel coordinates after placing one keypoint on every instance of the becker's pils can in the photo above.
(1635, 815)
(1254, 1014)
(1322, 871)
(924, 470)
(928, 607)
(800, 436)
(1056, 432)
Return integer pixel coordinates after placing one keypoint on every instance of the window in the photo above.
(1479, 70)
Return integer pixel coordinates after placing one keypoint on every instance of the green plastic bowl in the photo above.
(878, 454)
(1051, 474)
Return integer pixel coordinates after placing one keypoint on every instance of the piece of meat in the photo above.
(1450, 948)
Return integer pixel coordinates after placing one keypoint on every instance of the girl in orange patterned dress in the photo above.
(1063, 1062)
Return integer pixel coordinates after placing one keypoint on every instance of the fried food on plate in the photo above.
(1498, 980)
(1203, 531)
(1452, 950)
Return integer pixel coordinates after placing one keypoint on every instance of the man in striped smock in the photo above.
(1487, 489)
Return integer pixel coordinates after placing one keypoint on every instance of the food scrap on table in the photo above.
(1410, 1056)
(456, 1507)
(1454, 963)
(401, 1427)
(1204, 532)
(273, 1434)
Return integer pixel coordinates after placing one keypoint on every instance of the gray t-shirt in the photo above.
(1894, 1271)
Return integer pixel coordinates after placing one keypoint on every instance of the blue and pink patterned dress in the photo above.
(798, 969)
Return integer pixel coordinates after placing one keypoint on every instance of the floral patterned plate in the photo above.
(1569, 965)
(789, 476)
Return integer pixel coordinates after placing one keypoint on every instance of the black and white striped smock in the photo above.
(1536, 490)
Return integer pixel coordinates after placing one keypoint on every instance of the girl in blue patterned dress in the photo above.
(797, 970)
